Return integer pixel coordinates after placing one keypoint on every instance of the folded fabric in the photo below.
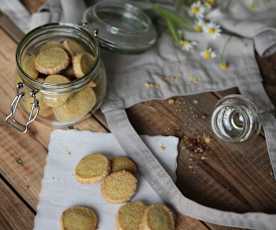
(60, 190)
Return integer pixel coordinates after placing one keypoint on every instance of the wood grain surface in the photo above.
(226, 176)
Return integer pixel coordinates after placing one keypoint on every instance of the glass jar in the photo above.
(74, 99)
(115, 25)
(235, 119)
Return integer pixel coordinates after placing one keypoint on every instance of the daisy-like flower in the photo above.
(187, 45)
(212, 29)
(199, 25)
(224, 66)
(209, 3)
(197, 9)
(208, 54)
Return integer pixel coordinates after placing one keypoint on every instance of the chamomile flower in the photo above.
(209, 3)
(197, 9)
(224, 65)
(199, 25)
(208, 54)
(187, 45)
(212, 29)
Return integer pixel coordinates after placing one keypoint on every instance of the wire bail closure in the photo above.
(10, 118)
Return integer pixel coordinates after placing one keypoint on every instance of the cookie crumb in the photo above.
(171, 101)
(151, 85)
(162, 146)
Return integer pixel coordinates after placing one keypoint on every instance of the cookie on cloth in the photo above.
(92, 168)
(158, 217)
(77, 106)
(51, 60)
(78, 218)
(119, 187)
(82, 64)
(123, 163)
(130, 216)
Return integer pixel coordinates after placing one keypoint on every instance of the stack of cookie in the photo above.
(118, 177)
(57, 63)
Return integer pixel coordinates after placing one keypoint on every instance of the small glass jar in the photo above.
(82, 95)
(235, 119)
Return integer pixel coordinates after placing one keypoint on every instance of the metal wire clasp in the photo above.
(10, 118)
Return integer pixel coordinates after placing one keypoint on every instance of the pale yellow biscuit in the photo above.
(79, 218)
(130, 216)
(50, 44)
(82, 64)
(72, 47)
(28, 65)
(52, 60)
(158, 217)
(76, 106)
(55, 100)
(119, 187)
(92, 168)
(123, 163)
(27, 103)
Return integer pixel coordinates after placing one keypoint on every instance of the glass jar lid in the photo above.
(120, 26)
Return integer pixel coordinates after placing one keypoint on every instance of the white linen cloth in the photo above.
(60, 190)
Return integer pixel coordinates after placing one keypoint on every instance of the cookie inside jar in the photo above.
(65, 64)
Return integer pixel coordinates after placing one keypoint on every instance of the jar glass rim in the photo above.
(30, 36)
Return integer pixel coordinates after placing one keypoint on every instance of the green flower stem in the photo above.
(172, 31)
(222, 60)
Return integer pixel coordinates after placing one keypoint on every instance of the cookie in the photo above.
(78, 218)
(77, 106)
(27, 103)
(72, 47)
(92, 168)
(51, 60)
(49, 44)
(158, 217)
(82, 64)
(119, 187)
(130, 216)
(55, 100)
(28, 65)
(123, 163)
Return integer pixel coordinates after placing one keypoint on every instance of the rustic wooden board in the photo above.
(14, 214)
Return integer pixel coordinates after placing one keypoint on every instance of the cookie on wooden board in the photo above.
(77, 106)
(92, 168)
(119, 187)
(123, 163)
(52, 60)
(130, 216)
(158, 217)
(78, 218)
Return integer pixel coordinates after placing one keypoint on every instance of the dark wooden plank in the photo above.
(14, 214)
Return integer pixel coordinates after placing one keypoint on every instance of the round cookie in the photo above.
(130, 216)
(51, 60)
(158, 217)
(27, 103)
(82, 64)
(28, 65)
(56, 100)
(92, 168)
(123, 163)
(76, 106)
(119, 187)
(49, 44)
(72, 47)
(78, 218)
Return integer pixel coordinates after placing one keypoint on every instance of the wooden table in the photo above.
(225, 176)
